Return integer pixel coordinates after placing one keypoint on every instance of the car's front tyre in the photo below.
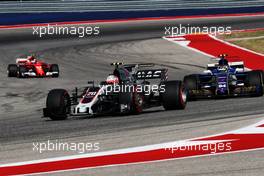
(57, 104)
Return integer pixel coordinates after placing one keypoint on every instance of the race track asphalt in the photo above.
(83, 59)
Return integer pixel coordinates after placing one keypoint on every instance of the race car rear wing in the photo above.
(138, 71)
(152, 74)
(212, 66)
(235, 65)
(133, 67)
(21, 60)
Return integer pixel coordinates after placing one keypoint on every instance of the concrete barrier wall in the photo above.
(13, 13)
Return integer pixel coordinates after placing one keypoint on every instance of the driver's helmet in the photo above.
(112, 79)
(223, 65)
(223, 68)
(32, 59)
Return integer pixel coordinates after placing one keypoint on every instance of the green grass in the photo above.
(244, 34)
(252, 44)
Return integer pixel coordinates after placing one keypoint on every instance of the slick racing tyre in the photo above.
(137, 103)
(58, 104)
(191, 84)
(262, 76)
(12, 70)
(133, 101)
(21, 71)
(174, 96)
(255, 78)
(55, 68)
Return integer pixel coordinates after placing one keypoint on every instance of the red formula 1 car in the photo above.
(31, 67)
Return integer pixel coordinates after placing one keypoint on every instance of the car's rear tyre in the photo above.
(12, 70)
(55, 68)
(58, 104)
(174, 96)
(191, 84)
(21, 71)
(262, 75)
(255, 78)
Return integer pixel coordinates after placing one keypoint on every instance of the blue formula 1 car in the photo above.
(224, 79)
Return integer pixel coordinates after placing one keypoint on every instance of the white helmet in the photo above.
(112, 79)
